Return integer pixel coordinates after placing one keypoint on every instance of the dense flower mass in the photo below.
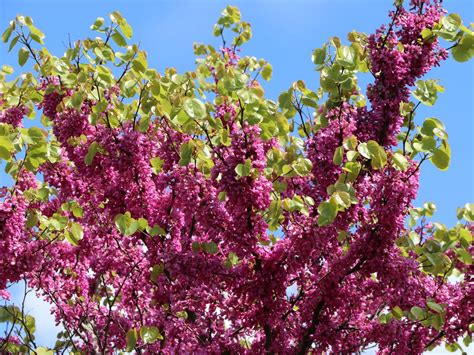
(153, 222)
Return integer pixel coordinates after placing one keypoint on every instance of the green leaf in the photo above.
(363, 150)
(229, 16)
(464, 256)
(400, 161)
(341, 236)
(429, 126)
(156, 164)
(30, 323)
(126, 224)
(464, 50)
(156, 271)
(43, 351)
(435, 307)
(36, 34)
(91, 152)
(150, 335)
(346, 56)
(338, 155)
(417, 312)
(185, 153)
(397, 312)
(131, 339)
(140, 64)
(99, 22)
(378, 156)
(5, 316)
(451, 24)
(233, 259)
(118, 38)
(13, 43)
(427, 91)
(452, 347)
(441, 158)
(244, 169)
(126, 29)
(195, 108)
(353, 170)
(6, 148)
(23, 55)
(440, 133)
(267, 71)
(210, 248)
(343, 199)
(76, 99)
(350, 143)
(156, 230)
(7, 69)
(57, 222)
(319, 55)
(6, 34)
(75, 233)
(327, 212)
(284, 100)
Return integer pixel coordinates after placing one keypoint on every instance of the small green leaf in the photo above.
(346, 56)
(43, 351)
(338, 155)
(156, 271)
(319, 55)
(6, 34)
(91, 152)
(464, 256)
(267, 71)
(195, 108)
(441, 158)
(397, 312)
(126, 29)
(363, 150)
(417, 312)
(6, 148)
(452, 347)
(327, 212)
(150, 335)
(185, 153)
(7, 69)
(435, 307)
(76, 99)
(341, 236)
(5, 316)
(464, 50)
(23, 55)
(140, 64)
(378, 156)
(156, 164)
(343, 199)
(427, 91)
(99, 22)
(400, 161)
(156, 230)
(131, 339)
(118, 38)
(244, 169)
(210, 248)
(75, 234)
(353, 170)
(126, 224)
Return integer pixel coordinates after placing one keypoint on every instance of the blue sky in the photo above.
(284, 33)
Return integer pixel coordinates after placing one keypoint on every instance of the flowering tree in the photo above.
(188, 213)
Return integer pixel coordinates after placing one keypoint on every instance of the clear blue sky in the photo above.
(285, 33)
